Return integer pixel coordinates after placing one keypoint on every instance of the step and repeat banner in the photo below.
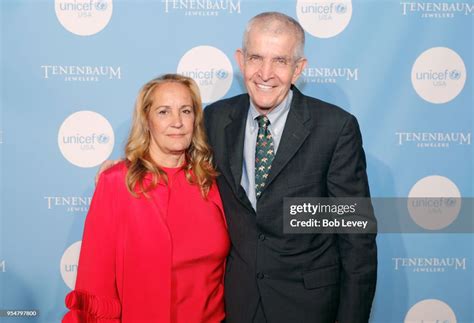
(71, 70)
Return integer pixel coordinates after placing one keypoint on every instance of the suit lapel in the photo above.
(234, 137)
(294, 134)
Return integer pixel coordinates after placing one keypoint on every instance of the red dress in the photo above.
(151, 260)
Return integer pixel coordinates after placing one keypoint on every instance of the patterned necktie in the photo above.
(264, 154)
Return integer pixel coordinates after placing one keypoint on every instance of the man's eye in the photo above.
(282, 61)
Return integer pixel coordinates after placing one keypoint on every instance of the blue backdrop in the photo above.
(71, 70)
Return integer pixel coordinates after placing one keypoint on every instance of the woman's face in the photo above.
(170, 120)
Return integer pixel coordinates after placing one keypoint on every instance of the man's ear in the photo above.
(240, 58)
(300, 65)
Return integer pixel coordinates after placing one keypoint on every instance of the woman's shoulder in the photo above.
(115, 173)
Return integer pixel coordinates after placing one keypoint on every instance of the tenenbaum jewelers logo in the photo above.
(81, 73)
(433, 10)
(69, 263)
(202, 7)
(434, 202)
(70, 204)
(324, 18)
(83, 17)
(429, 265)
(430, 310)
(438, 75)
(210, 68)
(86, 139)
(329, 74)
(433, 139)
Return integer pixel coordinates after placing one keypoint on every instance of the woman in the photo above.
(155, 238)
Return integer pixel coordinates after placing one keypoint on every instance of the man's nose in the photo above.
(266, 70)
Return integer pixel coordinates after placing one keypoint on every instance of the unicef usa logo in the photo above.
(438, 75)
(341, 8)
(69, 264)
(86, 139)
(102, 138)
(210, 68)
(84, 17)
(434, 202)
(101, 5)
(324, 18)
(86, 142)
(222, 74)
(430, 310)
(455, 75)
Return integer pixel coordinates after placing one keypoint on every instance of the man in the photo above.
(275, 142)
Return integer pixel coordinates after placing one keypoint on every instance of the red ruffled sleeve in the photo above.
(88, 308)
(95, 298)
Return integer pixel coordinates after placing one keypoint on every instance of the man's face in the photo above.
(269, 67)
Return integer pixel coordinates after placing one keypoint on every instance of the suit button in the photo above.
(261, 237)
(260, 275)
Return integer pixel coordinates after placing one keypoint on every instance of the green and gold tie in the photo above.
(264, 154)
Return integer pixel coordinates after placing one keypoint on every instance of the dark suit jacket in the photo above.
(298, 277)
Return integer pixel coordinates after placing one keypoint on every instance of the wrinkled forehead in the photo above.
(169, 91)
(270, 43)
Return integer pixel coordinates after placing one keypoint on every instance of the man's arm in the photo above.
(347, 177)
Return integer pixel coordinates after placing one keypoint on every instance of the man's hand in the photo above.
(105, 165)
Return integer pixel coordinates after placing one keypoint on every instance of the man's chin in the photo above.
(264, 108)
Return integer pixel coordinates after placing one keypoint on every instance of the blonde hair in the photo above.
(199, 169)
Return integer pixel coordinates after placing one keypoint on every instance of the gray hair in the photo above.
(277, 23)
